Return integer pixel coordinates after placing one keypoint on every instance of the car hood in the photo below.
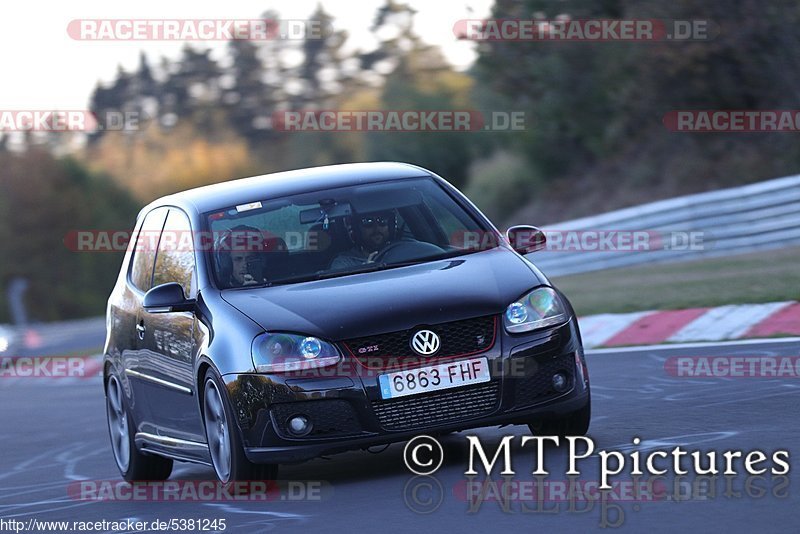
(358, 305)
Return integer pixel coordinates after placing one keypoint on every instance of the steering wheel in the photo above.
(401, 251)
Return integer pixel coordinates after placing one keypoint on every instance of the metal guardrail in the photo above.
(754, 217)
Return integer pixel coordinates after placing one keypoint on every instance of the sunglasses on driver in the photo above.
(369, 222)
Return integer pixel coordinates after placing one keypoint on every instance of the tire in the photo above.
(133, 464)
(224, 441)
(573, 424)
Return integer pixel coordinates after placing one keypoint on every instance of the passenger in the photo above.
(241, 256)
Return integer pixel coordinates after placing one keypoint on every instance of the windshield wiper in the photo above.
(437, 257)
(367, 268)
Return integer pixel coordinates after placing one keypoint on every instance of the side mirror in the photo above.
(526, 239)
(167, 298)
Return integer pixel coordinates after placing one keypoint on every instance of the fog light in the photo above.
(299, 425)
(560, 382)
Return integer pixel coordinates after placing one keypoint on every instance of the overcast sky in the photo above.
(43, 68)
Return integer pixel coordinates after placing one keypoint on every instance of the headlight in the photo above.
(539, 308)
(276, 353)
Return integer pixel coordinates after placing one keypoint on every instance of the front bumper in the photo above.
(347, 412)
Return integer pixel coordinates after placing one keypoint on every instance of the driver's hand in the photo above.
(372, 256)
(249, 280)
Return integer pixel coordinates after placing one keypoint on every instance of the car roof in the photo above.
(235, 192)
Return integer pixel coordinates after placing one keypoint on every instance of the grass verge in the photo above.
(767, 276)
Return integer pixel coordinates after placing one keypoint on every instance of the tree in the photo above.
(418, 79)
(43, 201)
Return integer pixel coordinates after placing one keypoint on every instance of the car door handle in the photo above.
(140, 329)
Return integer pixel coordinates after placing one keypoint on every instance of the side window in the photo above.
(175, 260)
(145, 252)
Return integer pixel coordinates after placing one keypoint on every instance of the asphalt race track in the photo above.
(54, 436)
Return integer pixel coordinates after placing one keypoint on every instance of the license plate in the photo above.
(433, 378)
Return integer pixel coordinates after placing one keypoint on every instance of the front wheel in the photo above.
(133, 465)
(224, 442)
(573, 424)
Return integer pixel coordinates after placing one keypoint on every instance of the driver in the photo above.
(371, 233)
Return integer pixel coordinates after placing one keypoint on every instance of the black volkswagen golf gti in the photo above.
(278, 318)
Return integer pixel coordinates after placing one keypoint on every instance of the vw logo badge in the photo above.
(425, 342)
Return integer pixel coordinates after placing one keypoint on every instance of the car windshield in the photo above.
(342, 231)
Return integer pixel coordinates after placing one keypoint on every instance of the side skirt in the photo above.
(177, 449)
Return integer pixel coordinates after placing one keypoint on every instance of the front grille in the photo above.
(437, 408)
(330, 418)
(537, 384)
(458, 338)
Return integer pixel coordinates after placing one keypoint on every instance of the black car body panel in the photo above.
(348, 406)
(364, 304)
(161, 358)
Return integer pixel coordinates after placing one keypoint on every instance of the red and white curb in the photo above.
(723, 323)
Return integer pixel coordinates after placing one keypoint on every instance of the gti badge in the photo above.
(425, 342)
